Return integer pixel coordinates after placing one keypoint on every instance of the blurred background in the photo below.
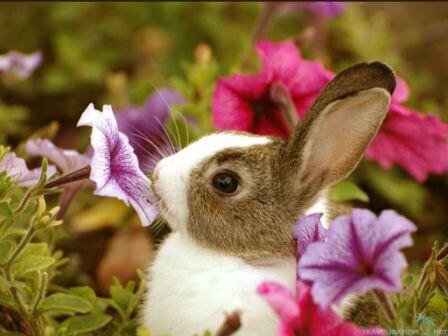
(120, 53)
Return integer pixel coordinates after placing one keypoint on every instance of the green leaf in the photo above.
(6, 299)
(346, 191)
(6, 246)
(122, 296)
(86, 323)
(66, 302)
(5, 210)
(84, 292)
(31, 264)
(33, 249)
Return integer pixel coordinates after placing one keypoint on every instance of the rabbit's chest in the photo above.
(191, 289)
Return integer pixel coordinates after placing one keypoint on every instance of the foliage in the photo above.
(30, 302)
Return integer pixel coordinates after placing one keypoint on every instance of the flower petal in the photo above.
(231, 101)
(308, 229)
(114, 166)
(303, 316)
(282, 302)
(18, 64)
(361, 253)
(279, 60)
(416, 142)
(144, 126)
(17, 170)
(66, 160)
(401, 92)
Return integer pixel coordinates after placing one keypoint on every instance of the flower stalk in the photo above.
(386, 303)
(75, 176)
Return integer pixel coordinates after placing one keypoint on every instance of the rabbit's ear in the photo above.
(328, 144)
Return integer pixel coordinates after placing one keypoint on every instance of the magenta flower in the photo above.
(114, 167)
(361, 253)
(244, 103)
(18, 64)
(307, 230)
(17, 170)
(144, 126)
(414, 141)
(302, 316)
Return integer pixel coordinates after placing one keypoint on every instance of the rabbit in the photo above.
(232, 199)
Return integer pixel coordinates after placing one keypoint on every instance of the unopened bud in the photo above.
(41, 206)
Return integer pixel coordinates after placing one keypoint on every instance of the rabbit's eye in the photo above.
(225, 182)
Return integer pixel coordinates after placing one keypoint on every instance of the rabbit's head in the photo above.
(240, 194)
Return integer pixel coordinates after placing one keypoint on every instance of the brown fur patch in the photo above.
(257, 223)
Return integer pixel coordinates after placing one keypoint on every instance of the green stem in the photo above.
(25, 240)
(24, 200)
(385, 302)
(42, 285)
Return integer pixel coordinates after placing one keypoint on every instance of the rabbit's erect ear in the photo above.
(328, 144)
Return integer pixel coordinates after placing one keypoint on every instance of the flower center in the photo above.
(266, 111)
(366, 268)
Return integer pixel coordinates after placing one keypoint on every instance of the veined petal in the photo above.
(114, 165)
(308, 229)
(361, 253)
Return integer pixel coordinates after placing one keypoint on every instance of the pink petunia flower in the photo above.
(114, 167)
(244, 103)
(16, 169)
(414, 141)
(302, 316)
(361, 253)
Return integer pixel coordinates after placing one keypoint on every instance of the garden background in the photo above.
(122, 53)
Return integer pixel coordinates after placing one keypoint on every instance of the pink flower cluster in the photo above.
(416, 142)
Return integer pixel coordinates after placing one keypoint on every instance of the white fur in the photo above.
(191, 288)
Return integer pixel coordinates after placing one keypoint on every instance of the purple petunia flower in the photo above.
(66, 160)
(307, 230)
(361, 253)
(18, 64)
(17, 170)
(144, 126)
(114, 167)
